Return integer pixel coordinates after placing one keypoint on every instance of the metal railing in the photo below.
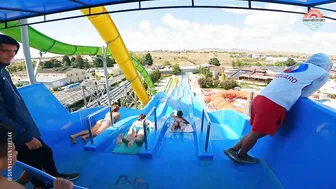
(95, 113)
(205, 114)
(145, 125)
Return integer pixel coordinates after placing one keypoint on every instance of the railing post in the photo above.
(207, 137)
(90, 132)
(112, 119)
(155, 120)
(249, 103)
(202, 121)
(145, 134)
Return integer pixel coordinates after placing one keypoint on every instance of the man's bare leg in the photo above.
(249, 142)
(239, 144)
(244, 145)
(73, 137)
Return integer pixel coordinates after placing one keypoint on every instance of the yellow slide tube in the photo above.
(110, 34)
(173, 85)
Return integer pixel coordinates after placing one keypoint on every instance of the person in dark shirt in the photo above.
(14, 113)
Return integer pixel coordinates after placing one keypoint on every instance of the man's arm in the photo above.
(315, 85)
(19, 131)
(185, 120)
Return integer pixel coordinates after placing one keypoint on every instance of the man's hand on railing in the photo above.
(60, 183)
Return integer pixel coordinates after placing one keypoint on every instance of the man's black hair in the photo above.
(4, 140)
(5, 39)
(179, 113)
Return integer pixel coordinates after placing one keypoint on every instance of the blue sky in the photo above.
(178, 29)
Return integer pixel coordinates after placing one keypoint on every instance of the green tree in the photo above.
(228, 84)
(176, 69)
(237, 63)
(290, 62)
(202, 82)
(209, 82)
(79, 62)
(216, 83)
(86, 63)
(217, 76)
(19, 85)
(98, 61)
(214, 61)
(155, 75)
(208, 75)
(48, 64)
(280, 64)
(148, 59)
(57, 63)
(110, 61)
(201, 70)
(66, 61)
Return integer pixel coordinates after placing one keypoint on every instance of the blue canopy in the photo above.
(18, 9)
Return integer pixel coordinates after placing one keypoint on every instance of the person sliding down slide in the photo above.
(179, 121)
(135, 133)
(269, 108)
(100, 126)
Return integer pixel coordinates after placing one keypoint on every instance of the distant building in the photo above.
(55, 77)
(276, 59)
(252, 74)
(252, 55)
(216, 70)
(110, 70)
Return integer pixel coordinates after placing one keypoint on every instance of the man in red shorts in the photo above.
(269, 108)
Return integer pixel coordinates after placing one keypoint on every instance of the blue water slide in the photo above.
(106, 141)
(303, 145)
(168, 145)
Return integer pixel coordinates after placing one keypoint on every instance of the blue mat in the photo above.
(135, 149)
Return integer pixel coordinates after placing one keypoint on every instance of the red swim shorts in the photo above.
(266, 115)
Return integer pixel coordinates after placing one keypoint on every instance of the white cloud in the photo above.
(145, 25)
(262, 31)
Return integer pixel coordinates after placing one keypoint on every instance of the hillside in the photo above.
(197, 57)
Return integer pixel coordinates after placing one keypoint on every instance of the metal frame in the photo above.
(192, 5)
(130, 99)
(204, 112)
(145, 125)
(26, 52)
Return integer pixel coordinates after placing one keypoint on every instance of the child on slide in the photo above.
(179, 121)
(135, 133)
(269, 108)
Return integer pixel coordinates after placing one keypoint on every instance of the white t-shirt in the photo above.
(286, 88)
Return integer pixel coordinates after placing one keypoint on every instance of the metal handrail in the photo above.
(208, 129)
(93, 114)
(144, 125)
